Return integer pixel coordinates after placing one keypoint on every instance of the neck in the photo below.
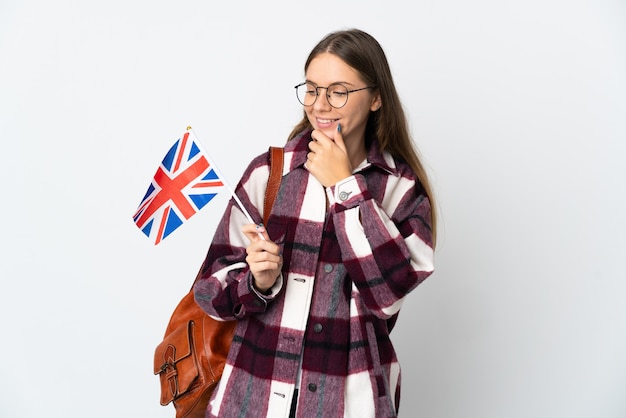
(356, 152)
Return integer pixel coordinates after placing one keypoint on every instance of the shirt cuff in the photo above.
(272, 291)
(346, 192)
(251, 300)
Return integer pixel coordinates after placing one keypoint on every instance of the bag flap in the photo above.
(174, 347)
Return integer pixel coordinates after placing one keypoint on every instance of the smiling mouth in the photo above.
(326, 121)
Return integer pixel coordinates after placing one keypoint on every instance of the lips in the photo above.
(324, 123)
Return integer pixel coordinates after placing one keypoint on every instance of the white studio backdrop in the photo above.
(519, 109)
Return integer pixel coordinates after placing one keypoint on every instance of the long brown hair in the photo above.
(389, 125)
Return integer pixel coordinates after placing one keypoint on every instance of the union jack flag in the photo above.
(184, 183)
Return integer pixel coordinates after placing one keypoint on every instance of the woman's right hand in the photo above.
(264, 257)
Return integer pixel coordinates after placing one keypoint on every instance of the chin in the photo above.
(329, 133)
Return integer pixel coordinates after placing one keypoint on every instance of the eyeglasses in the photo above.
(336, 94)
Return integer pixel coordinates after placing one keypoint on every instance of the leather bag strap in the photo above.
(273, 181)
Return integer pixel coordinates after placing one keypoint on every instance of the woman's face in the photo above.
(327, 69)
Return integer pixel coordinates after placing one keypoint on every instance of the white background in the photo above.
(519, 109)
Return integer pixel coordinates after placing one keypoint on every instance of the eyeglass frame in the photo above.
(317, 93)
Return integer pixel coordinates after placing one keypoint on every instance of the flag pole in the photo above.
(221, 176)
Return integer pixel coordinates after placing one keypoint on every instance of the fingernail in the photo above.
(259, 226)
(339, 127)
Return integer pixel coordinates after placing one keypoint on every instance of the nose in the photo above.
(322, 102)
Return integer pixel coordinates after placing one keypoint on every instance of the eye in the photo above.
(311, 90)
(338, 90)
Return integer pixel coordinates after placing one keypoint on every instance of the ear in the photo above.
(376, 102)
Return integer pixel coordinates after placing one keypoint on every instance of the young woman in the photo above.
(316, 291)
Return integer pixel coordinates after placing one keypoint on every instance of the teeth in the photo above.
(326, 120)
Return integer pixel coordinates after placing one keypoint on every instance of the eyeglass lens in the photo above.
(336, 94)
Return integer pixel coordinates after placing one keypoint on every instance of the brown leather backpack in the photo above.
(191, 358)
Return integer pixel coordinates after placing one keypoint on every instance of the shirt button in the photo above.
(317, 328)
(328, 268)
(312, 387)
(343, 196)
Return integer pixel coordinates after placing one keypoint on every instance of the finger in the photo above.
(263, 255)
(255, 232)
(314, 145)
(320, 139)
(339, 138)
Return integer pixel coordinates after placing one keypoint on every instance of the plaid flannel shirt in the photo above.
(352, 252)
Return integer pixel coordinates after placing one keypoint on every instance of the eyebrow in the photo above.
(334, 82)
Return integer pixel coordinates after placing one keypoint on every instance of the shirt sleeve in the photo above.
(386, 244)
